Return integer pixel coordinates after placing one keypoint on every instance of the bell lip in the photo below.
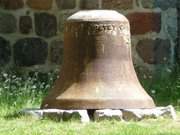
(80, 104)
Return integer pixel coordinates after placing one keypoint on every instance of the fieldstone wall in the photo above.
(31, 32)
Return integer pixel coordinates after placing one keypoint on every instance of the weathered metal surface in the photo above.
(97, 71)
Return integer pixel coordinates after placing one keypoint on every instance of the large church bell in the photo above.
(97, 70)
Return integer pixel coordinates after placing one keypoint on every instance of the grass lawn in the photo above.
(17, 93)
(11, 124)
(30, 126)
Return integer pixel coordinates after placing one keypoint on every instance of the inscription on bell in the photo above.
(112, 29)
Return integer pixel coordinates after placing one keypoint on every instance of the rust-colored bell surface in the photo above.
(97, 70)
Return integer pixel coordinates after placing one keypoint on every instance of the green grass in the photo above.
(18, 92)
(31, 126)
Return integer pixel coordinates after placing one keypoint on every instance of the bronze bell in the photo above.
(97, 71)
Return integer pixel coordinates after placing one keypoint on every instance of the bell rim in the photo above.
(98, 104)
